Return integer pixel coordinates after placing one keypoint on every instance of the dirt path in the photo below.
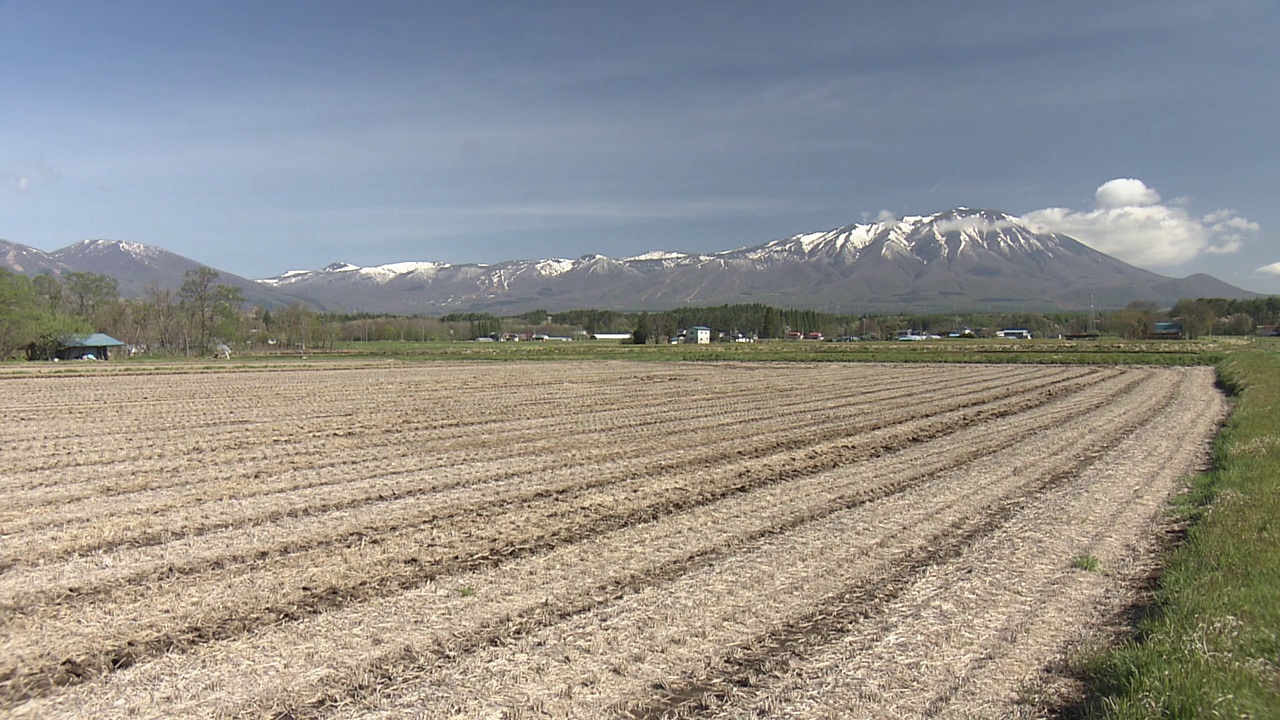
(603, 538)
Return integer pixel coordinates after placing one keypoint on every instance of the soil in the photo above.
(578, 539)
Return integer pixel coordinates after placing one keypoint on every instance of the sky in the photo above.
(259, 137)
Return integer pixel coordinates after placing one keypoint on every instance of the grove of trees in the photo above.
(38, 313)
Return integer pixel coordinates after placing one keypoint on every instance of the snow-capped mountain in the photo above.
(960, 258)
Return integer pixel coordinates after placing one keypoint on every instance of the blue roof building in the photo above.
(84, 347)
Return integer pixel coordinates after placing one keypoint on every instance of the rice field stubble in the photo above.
(574, 539)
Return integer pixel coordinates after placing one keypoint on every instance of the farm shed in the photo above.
(611, 336)
(1166, 331)
(96, 346)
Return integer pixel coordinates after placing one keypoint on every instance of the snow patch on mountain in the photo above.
(404, 268)
(656, 255)
(553, 267)
(102, 247)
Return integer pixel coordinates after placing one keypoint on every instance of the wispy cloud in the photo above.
(972, 223)
(1131, 222)
(28, 176)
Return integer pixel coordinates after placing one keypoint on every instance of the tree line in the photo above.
(39, 313)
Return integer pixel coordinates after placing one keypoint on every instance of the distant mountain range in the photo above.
(136, 267)
(959, 259)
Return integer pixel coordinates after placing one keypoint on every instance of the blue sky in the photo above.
(259, 137)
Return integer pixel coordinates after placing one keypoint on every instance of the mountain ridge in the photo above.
(136, 267)
(956, 259)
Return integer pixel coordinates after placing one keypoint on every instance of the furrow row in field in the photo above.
(469, 494)
(755, 520)
(972, 633)
(769, 598)
(82, 578)
(403, 451)
(335, 581)
(217, 404)
(753, 660)
(196, 399)
(302, 437)
(308, 428)
(149, 524)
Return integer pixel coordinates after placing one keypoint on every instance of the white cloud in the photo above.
(964, 224)
(1130, 223)
(1272, 269)
(1125, 192)
(24, 182)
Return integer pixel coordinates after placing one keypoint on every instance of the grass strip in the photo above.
(355, 355)
(1211, 645)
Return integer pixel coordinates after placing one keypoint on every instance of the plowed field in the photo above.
(575, 539)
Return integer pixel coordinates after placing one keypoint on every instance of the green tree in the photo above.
(295, 322)
(1133, 321)
(87, 292)
(535, 317)
(19, 316)
(48, 290)
(26, 322)
(771, 324)
(1236, 324)
(485, 325)
(643, 330)
(1197, 317)
(228, 321)
(210, 306)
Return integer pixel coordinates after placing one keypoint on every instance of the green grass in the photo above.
(1088, 563)
(1211, 645)
(1099, 352)
(968, 351)
(1102, 351)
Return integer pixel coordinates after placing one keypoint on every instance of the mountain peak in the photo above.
(102, 246)
(965, 213)
(337, 267)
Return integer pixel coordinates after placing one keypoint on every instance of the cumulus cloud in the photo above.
(1131, 223)
(1125, 192)
(1272, 269)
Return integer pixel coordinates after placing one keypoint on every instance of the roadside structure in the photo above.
(87, 347)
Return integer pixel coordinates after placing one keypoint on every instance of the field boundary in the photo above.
(1208, 643)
